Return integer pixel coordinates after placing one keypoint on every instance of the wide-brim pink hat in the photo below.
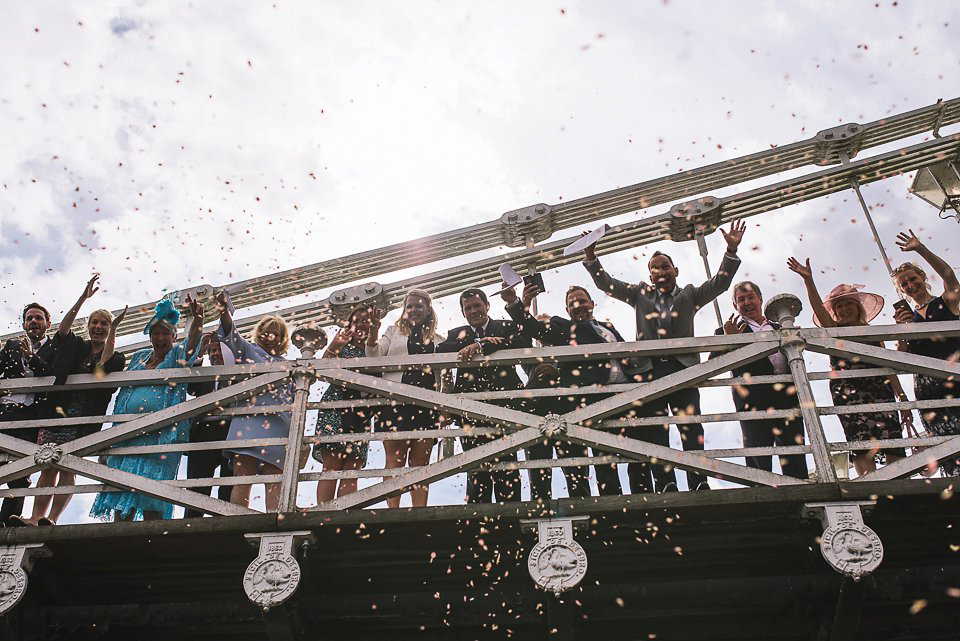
(871, 303)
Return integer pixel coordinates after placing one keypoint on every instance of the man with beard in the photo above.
(666, 310)
(22, 358)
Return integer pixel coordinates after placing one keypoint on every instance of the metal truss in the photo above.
(539, 222)
(512, 429)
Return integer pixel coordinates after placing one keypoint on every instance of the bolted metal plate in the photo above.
(534, 223)
(828, 143)
(344, 301)
(695, 217)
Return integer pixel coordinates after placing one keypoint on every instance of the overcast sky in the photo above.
(165, 144)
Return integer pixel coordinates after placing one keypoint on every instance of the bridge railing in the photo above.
(589, 425)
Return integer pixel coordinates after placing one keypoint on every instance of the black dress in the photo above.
(74, 355)
(861, 391)
(403, 418)
(941, 421)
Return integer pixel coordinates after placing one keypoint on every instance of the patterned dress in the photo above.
(337, 422)
(940, 421)
(861, 391)
(265, 426)
(159, 467)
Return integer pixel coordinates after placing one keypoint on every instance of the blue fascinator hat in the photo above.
(165, 311)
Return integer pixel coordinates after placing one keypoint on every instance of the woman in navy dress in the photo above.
(271, 339)
(911, 279)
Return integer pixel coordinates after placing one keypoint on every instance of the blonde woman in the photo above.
(271, 341)
(847, 306)
(912, 280)
(75, 355)
(415, 332)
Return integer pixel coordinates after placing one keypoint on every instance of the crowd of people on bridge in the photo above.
(664, 309)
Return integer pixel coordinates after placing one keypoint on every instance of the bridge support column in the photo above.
(15, 562)
(848, 545)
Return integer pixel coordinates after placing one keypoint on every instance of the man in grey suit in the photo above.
(666, 310)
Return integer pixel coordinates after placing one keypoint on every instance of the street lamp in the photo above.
(939, 185)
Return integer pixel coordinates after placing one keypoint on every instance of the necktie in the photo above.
(664, 306)
(478, 332)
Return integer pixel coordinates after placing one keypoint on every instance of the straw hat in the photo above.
(871, 303)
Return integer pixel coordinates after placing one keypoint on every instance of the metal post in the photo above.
(298, 419)
(702, 246)
(845, 160)
(531, 270)
(783, 308)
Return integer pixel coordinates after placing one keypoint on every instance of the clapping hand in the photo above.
(735, 235)
(196, 308)
(223, 301)
(908, 242)
(26, 348)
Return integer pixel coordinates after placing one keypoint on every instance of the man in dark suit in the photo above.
(767, 432)
(666, 310)
(482, 336)
(22, 358)
(203, 429)
(581, 328)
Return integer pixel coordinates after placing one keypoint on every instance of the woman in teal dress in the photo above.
(164, 354)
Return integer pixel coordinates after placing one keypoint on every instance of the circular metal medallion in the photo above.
(13, 584)
(270, 581)
(854, 550)
(47, 454)
(557, 565)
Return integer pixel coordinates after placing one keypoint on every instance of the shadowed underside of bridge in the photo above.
(733, 564)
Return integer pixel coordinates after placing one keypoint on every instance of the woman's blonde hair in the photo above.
(429, 325)
(103, 312)
(907, 266)
(277, 321)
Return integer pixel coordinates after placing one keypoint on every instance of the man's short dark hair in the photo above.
(577, 288)
(35, 306)
(470, 293)
(743, 284)
(660, 253)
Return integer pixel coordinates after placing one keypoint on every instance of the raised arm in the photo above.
(375, 344)
(607, 283)
(196, 327)
(108, 346)
(66, 324)
(951, 286)
(722, 280)
(519, 311)
(223, 306)
(806, 272)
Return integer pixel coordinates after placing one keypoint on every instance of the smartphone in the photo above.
(536, 279)
(902, 304)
